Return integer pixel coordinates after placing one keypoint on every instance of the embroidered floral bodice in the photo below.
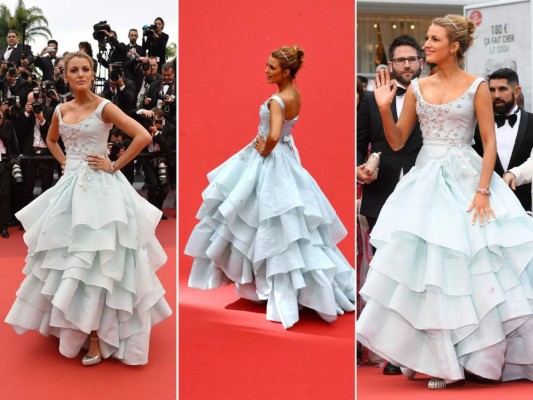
(449, 124)
(87, 136)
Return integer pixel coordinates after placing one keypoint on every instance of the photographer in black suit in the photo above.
(117, 51)
(35, 122)
(514, 128)
(155, 42)
(145, 74)
(134, 53)
(405, 64)
(47, 59)
(162, 93)
(119, 89)
(8, 154)
(13, 85)
(156, 168)
(14, 52)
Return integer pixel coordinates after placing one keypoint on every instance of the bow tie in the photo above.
(10, 48)
(400, 91)
(500, 119)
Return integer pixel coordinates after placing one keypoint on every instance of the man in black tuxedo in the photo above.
(145, 75)
(120, 91)
(14, 85)
(162, 93)
(8, 151)
(133, 53)
(13, 52)
(47, 59)
(32, 141)
(405, 64)
(117, 51)
(514, 128)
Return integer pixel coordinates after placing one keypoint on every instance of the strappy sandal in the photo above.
(437, 384)
(87, 360)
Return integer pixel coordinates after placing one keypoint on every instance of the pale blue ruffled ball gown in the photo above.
(92, 256)
(444, 295)
(266, 226)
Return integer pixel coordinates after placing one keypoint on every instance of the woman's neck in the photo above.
(285, 85)
(84, 97)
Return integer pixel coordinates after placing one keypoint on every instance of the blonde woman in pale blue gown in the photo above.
(92, 250)
(265, 225)
(449, 292)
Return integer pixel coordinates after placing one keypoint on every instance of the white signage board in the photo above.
(502, 40)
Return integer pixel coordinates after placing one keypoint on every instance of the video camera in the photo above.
(149, 31)
(100, 36)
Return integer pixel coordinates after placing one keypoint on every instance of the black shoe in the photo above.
(4, 233)
(391, 370)
(164, 217)
(469, 376)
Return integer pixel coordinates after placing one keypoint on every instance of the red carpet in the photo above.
(373, 385)
(227, 349)
(32, 368)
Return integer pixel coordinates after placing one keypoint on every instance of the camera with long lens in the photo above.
(13, 103)
(161, 171)
(36, 107)
(16, 172)
(36, 92)
(117, 72)
(11, 68)
(100, 36)
(48, 87)
(149, 31)
(116, 146)
(168, 102)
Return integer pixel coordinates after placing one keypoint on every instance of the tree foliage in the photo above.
(36, 22)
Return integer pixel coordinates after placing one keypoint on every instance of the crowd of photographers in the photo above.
(136, 77)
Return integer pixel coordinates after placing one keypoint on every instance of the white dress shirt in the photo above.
(506, 138)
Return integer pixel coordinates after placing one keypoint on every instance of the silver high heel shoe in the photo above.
(436, 383)
(87, 361)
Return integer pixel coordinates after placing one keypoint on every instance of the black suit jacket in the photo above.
(521, 152)
(370, 132)
(156, 48)
(117, 53)
(46, 65)
(20, 88)
(25, 133)
(125, 99)
(7, 136)
(16, 54)
(129, 63)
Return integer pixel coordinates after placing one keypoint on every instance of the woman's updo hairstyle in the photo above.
(460, 30)
(77, 54)
(290, 57)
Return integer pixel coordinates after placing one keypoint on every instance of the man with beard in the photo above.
(514, 128)
(405, 64)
